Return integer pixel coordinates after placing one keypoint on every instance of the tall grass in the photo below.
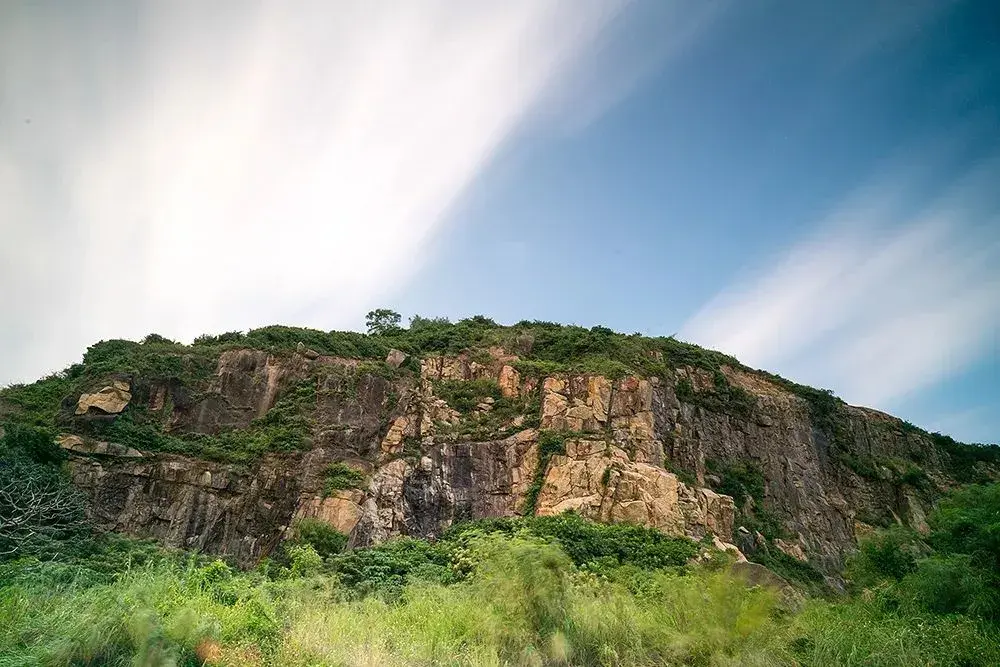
(524, 603)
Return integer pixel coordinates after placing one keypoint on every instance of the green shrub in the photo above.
(743, 481)
(889, 554)
(465, 395)
(321, 536)
(384, 570)
(339, 476)
(587, 542)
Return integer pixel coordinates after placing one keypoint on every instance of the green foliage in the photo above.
(893, 470)
(324, 539)
(954, 570)
(339, 476)
(465, 395)
(967, 522)
(722, 397)
(382, 321)
(743, 481)
(37, 404)
(535, 591)
(595, 545)
(37, 445)
(304, 559)
(335, 343)
(863, 633)
(966, 462)
(39, 508)
(286, 427)
(385, 570)
(804, 575)
(889, 554)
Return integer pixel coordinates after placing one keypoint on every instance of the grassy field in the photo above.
(478, 598)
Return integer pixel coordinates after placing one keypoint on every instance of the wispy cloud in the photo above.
(184, 167)
(882, 299)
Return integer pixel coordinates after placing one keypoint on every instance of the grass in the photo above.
(519, 600)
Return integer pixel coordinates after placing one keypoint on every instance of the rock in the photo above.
(509, 381)
(729, 548)
(614, 472)
(392, 443)
(341, 510)
(110, 400)
(791, 549)
(239, 513)
(755, 574)
(601, 482)
(310, 354)
(395, 358)
(75, 443)
(914, 513)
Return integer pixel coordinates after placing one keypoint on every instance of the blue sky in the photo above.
(813, 187)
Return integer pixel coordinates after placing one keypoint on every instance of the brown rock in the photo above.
(601, 482)
(509, 381)
(110, 400)
(342, 510)
(395, 358)
(792, 549)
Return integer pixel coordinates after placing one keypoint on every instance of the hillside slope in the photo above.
(223, 444)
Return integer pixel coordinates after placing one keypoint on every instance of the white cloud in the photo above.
(878, 302)
(190, 167)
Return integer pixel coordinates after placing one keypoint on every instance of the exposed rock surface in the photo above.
(600, 482)
(192, 504)
(626, 443)
(109, 400)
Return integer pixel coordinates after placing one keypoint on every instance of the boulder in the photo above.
(110, 400)
(395, 358)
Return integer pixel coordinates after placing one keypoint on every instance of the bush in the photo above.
(956, 570)
(339, 476)
(889, 554)
(324, 539)
(590, 543)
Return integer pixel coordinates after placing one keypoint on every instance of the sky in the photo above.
(812, 187)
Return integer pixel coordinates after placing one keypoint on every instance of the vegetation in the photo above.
(543, 348)
(955, 569)
(722, 397)
(530, 591)
(382, 321)
(519, 591)
(339, 476)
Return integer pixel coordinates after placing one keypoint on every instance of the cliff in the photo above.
(222, 445)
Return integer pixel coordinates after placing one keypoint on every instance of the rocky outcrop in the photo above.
(78, 445)
(192, 504)
(449, 482)
(110, 400)
(645, 450)
(600, 482)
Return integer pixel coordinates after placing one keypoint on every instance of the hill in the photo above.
(223, 444)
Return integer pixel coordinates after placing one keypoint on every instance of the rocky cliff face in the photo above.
(740, 457)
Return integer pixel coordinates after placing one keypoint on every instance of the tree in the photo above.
(382, 321)
(39, 508)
